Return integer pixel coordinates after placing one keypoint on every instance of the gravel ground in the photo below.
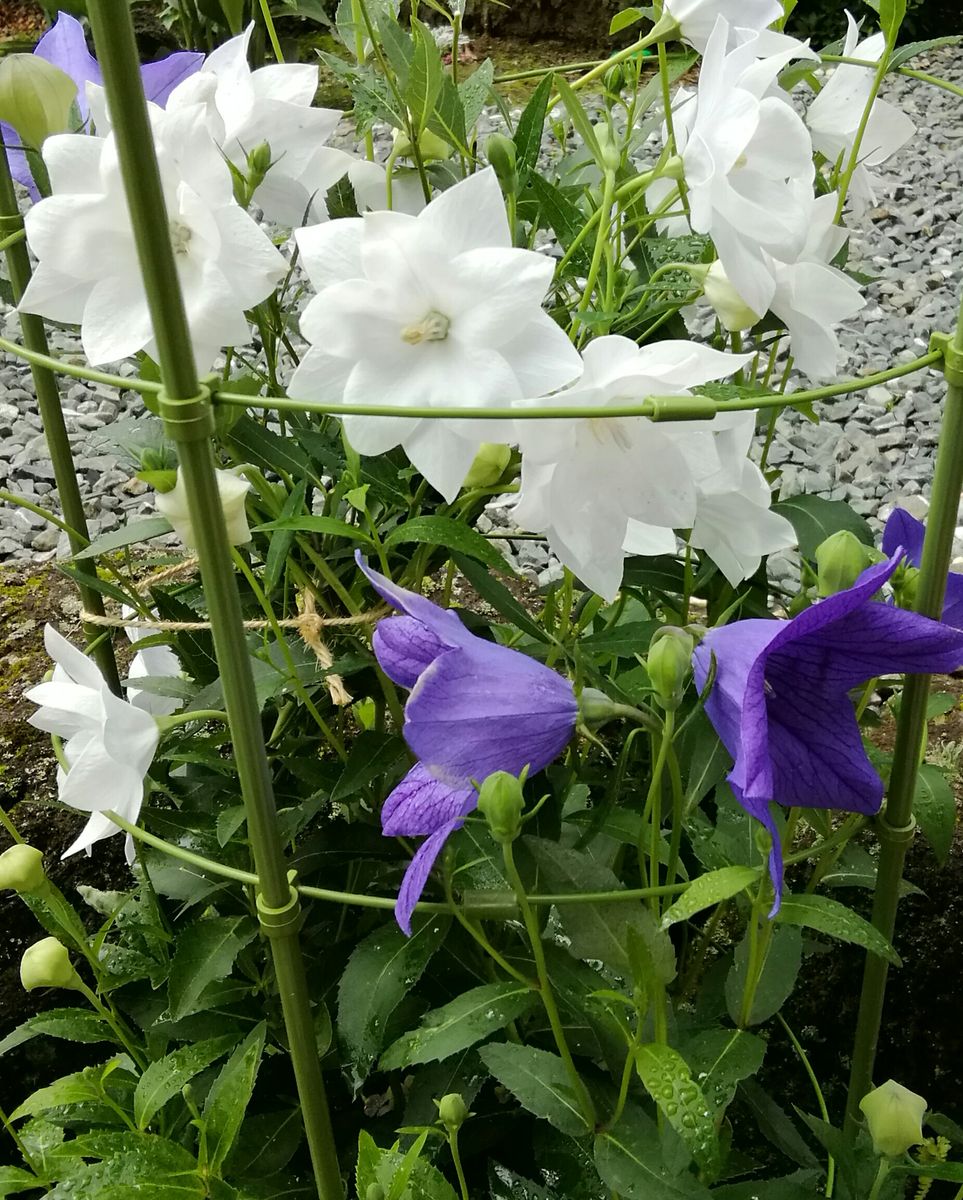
(872, 449)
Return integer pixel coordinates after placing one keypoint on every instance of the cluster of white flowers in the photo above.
(440, 309)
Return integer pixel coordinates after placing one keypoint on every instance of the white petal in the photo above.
(116, 319)
(331, 253)
(294, 83)
(97, 829)
(73, 163)
(441, 455)
(469, 215)
(649, 540)
(55, 296)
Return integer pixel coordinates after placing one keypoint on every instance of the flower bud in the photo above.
(669, 664)
(35, 97)
(501, 803)
(595, 708)
(501, 153)
(614, 81)
(840, 560)
(47, 964)
(233, 492)
(894, 1117)
(730, 307)
(430, 146)
(21, 868)
(611, 152)
(452, 1111)
(258, 165)
(375, 1192)
(489, 465)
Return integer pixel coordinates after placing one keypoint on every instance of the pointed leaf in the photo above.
(538, 1081)
(205, 952)
(530, 128)
(165, 1077)
(451, 534)
(230, 1095)
(829, 916)
(629, 1160)
(935, 810)
(669, 1082)
(708, 890)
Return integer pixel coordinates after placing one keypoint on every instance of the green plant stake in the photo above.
(188, 415)
(55, 431)
(896, 826)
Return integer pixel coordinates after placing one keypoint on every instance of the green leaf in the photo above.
(82, 1087)
(499, 597)
(530, 128)
(669, 1082)
(475, 91)
(557, 210)
(707, 891)
(309, 523)
(471, 1017)
(267, 1143)
(448, 117)
(934, 807)
(255, 443)
(829, 916)
(71, 1024)
(127, 535)
(230, 1095)
(624, 641)
(398, 47)
(720, 1059)
(891, 16)
(952, 1172)
(380, 973)
(451, 534)
(801, 1185)
(424, 76)
(578, 116)
(205, 951)
(372, 756)
(165, 1077)
(13, 1181)
(777, 979)
(815, 519)
(539, 1082)
(624, 19)
(599, 931)
(283, 541)
(912, 49)
(629, 1160)
(150, 1168)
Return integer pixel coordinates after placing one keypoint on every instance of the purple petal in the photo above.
(486, 708)
(422, 804)
(953, 604)
(442, 622)
(66, 47)
(417, 874)
(160, 78)
(19, 167)
(761, 810)
(405, 648)
(904, 530)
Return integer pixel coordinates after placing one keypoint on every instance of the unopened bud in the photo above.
(614, 81)
(489, 465)
(840, 560)
(47, 964)
(894, 1117)
(669, 664)
(610, 151)
(501, 153)
(35, 97)
(375, 1192)
(730, 307)
(430, 146)
(501, 803)
(259, 159)
(452, 1110)
(21, 868)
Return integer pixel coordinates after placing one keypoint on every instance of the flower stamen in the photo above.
(433, 327)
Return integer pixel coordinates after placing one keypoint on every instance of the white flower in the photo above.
(233, 491)
(584, 480)
(696, 18)
(835, 115)
(741, 147)
(152, 661)
(730, 307)
(438, 309)
(108, 743)
(246, 108)
(88, 273)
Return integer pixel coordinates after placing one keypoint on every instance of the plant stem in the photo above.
(545, 987)
(820, 1098)
(853, 162)
(55, 429)
(760, 935)
(122, 1034)
(271, 31)
(880, 1179)
(189, 420)
(608, 194)
(895, 828)
(456, 1159)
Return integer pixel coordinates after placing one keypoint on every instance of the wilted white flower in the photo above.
(586, 480)
(233, 491)
(108, 743)
(834, 116)
(438, 309)
(88, 273)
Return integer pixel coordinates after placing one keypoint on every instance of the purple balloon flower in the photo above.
(475, 708)
(781, 705)
(904, 530)
(65, 46)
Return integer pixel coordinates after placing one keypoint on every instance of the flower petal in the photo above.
(404, 648)
(417, 874)
(421, 804)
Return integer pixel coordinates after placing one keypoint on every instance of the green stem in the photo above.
(52, 518)
(122, 1034)
(190, 421)
(760, 936)
(75, 370)
(271, 31)
(456, 1159)
(881, 1173)
(820, 1098)
(853, 162)
(478, 936)
(9, 826)
(601, 240)
(18, 1142)
(545, 988)
(653, 803)
(55, 429)
(935, 80)
(895, 828)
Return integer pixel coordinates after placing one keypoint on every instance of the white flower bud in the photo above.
(730, 307)
(21, 868)
(35, 97)
(233, 491)
(894, 1117)
(47, 964)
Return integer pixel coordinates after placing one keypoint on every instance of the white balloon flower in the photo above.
(585, 480)
(88, 271)
(438, 309)
(696, 18)
(153, 662)
(108, 743)
(233, 490)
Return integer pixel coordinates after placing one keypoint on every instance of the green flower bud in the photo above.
(258, 165)
(430, 146)
(611, 151)
(47, 964)
(452, 1110)
(595, 708)
(35, 97)
(894, 1117)
(501, 803)
(800, 603)
(500, 152)
(840, 560)
(614, 81)
(669, 664)
(21, 868)
(375, 1192)
(489, 465)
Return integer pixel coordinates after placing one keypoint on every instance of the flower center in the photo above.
(433, 327)
(611, 431)
(180, 237)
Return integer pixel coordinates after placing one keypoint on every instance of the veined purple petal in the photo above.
(418, 871)
(17, 158)
(65, 45)
(761, 810)
(442, 622)
(904, 530)
(953, 604)
(404, 648)
(422, 804)
(486, 708)
(160, 78)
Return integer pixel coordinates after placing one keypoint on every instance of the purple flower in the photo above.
(475, 708)
(66, 47)
(904, 530)
(781, 702)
